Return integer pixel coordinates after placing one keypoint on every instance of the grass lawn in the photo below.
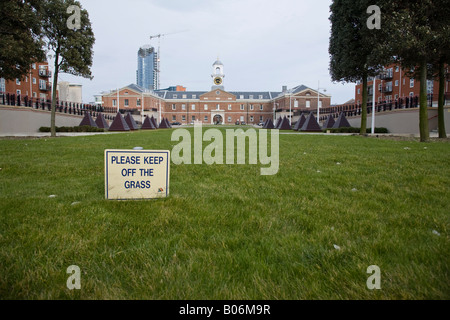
(226, 232)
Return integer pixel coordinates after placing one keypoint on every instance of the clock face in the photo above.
(218, 80)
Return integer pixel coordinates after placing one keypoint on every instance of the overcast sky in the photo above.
(263, 44)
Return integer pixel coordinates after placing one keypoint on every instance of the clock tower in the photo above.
(218, 75)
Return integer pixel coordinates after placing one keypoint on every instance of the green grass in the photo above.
(226, 232)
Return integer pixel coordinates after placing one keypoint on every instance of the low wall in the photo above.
(27, 120)
(404, 121)
(16, 120)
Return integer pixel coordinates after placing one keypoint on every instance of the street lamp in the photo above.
(318, 100)
(142, 105)
(290, 106)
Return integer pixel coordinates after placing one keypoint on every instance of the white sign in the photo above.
(136, 174)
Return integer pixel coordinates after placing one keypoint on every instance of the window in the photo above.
(251, 96)
(184, 96)
(397, 69)
(295, 103)
(261, 107)
(18, 92)
(396, 83)
(261, 96)
(411, 94)
(359, 91)
(33, 66)
(241, 96)
(18, 82)
(183, 118)
(193, 107)
(308, 103)
(174, 107)
(42, 85)
(175, 96)
(320, 104)
(34, 80)
(411, 83)
(380, 87)
(358, 102)
(261, 119)
(396, 97)
(34, 95)
(218, 107)
(206, 107)
(138, 102)
(126, 103)
(251, 118)
(174, 118)
(404, 81)
(242, 107)
(391, 72)
(229, 107)
(206, 118)
(194, 96)
(229, 119)
(251, 107)
(183, 107)
(193, 118)
(114, 102)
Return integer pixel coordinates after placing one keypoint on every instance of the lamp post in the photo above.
(290, 107)
(318, 100)
(142, 105)
(118, 103)
(382, 73)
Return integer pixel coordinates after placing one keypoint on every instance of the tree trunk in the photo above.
(441, 121)
(423, 113)
(363, 130)
(55, 84)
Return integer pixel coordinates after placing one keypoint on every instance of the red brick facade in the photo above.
(217, 104)
(395, 84)
(36, 84)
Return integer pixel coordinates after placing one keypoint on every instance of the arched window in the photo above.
(217, 70)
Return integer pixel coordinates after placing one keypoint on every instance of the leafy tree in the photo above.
(20, 33)
(441, 54)
(356, 51)
(422, 26)
(72, 48)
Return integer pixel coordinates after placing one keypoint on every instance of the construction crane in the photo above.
(158, 61)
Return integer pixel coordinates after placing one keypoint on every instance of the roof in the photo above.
(135, 87)
(240, 95)
(195, 95)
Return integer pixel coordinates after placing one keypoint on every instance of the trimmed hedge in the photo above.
(73, 129)
(356, 130)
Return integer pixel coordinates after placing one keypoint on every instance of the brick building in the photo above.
(36, 84)
(395, 84)
(216, 105)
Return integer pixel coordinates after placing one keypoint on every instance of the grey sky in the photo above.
(263, 44)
